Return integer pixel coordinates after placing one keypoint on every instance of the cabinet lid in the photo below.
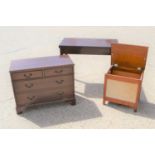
(129, 56)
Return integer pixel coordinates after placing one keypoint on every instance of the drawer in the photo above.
(44, 96)
(86, 50)
(58, 71)
(27, 75)
(54, 82)
(60, 93)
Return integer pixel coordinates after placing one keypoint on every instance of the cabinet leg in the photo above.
(20, 110)
(104, 102)
(61, 53)
(135, 109)
(73, 102)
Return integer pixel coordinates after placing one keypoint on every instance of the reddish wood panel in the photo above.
(130, 56)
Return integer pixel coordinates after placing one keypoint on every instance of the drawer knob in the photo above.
(31, 98)
(59, 81)
(28, 75)
(60, 93)
(58, 71)
(30, 85)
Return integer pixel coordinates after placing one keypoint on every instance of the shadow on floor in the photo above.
(92, 90)
(145, 108)
(59, 113)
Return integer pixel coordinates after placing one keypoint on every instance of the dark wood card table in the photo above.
(86, 46)
(42, 80)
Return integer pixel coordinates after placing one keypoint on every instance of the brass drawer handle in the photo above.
(31, 98)
(58, 71)
(59, 81)
(28, 75)
(30, 85)
(60, 93)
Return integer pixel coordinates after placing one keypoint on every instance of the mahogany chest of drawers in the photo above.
(42, 80)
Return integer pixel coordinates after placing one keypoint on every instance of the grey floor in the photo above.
(27, 42)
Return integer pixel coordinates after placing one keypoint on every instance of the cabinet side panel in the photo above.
(121, 90)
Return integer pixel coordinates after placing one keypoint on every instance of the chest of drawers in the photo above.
(42, 80)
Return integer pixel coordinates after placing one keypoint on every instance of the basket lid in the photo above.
(130, 56)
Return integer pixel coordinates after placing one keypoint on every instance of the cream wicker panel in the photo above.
(121, 90)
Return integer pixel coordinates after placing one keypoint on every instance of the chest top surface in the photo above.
(87, 42)
(40, 62)
(129, 56)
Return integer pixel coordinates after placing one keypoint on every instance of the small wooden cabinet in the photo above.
(124, 79)
(42, 80)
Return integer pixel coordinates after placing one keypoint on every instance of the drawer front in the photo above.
(27, 75)
(95, 51)
(54, 82)
(86, 50)
(58, 71)
(44, 96)
(25, 99)
(59, 93)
